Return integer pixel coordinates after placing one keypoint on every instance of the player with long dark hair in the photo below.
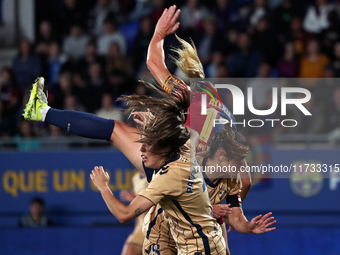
(175, 185)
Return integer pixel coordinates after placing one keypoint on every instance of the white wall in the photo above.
(7, 30)
(26, 19)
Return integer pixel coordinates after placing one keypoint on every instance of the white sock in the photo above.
(43, 111)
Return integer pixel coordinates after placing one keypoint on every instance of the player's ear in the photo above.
(220, 155)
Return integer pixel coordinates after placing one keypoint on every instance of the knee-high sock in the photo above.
(81, 123)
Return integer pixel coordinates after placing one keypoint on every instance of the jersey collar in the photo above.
(172, 159)
(206, 178)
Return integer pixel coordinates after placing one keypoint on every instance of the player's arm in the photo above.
(123, 213)
(155, 58)
(246, 180)
(225, 236)
(258, 225)
(221, 210)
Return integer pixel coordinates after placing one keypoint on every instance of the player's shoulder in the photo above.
(235, 185)
(177, 167)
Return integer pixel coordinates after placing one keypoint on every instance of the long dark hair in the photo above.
(232, 142)
(166, 133)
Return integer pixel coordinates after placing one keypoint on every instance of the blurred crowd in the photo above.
(93, 51)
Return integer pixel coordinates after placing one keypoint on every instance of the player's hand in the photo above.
(260, 224)
(221, 210)
(143, 118)
(127, 195)
(229, 229)
(100, 178)
(167, 24)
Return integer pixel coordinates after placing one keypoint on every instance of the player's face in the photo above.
(150, 159)
(233, 165)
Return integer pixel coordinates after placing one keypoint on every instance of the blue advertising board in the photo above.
(62, 179)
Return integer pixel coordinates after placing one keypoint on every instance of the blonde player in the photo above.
(120, 134)
(178, 188)
(134, 243)
(189, 63)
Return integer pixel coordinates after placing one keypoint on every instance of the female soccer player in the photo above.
(228, 149)
(179, 189)
(190, 65)
(123, 136)
(120, 134)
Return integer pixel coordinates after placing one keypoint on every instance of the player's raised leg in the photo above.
(84, 124)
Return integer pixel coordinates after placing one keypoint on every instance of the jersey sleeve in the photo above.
(234, 200)
(164, 183)
(235, 186)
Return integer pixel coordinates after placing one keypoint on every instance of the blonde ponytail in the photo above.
(188, 60)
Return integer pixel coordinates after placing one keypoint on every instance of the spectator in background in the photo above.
(157, 10)
(266, 41)
(71, 103)
(10, 96)
(257, 11)
(96, 75)
(55, 139)
(141, 43)
(89, 92)
(97, 16)
(54, 132)
(225, 13)
(59, 91)
(221, 72)
(44, 38)
(111, 35)
(269, 127)
(70, 13)
(286, 23)
(26, 138)
(192, 16)
(36, 218)
(317, 17)
(261, 86)
(283, 15)
(245, 61)
(75, 43)
(210, 40)
(333, 115)
(217, 58)
(323, 92)
(297, 35)
(232, 37)
(90, 57)
(55, 63)
(308, 124)
(288, 65)
(312, 65)
(108, 110)
(116, 61)
(26, 65)
(117, 84)
(336, 59)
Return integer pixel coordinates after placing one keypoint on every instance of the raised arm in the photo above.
(123, 213)
(166, 25)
